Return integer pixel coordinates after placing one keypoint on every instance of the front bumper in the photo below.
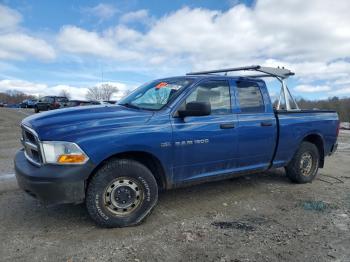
(52, 184)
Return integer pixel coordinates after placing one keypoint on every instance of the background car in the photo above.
(73, 103)
(28, 103)
(12, 105)
(112, 102)
(101, 102)
(50, 102)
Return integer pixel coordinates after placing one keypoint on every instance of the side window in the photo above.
(217, 93)
(250, 98)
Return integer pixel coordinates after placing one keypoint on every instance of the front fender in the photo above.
(142, 139)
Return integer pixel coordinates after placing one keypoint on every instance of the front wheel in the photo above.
(122, 193)
(304, 165)
(36, 109)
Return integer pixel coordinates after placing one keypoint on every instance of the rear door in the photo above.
(257, 130)
(205, 145)
(44, 103)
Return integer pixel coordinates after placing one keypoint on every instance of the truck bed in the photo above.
(294, 126)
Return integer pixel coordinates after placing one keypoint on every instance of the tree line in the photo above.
(341, 105)
(14, 97)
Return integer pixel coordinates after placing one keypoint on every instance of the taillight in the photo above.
(56, 105)
(338, 127)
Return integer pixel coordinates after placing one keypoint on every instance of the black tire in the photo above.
(102, 194)
(36, 109)
(304, 165)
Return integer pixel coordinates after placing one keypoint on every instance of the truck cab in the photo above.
(169, 133)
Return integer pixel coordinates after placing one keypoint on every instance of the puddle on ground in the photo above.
(312, 205)
(233, 225)
(247, 223)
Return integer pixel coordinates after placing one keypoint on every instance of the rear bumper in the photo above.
(52, 184)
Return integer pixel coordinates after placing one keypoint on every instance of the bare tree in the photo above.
(108, 91)
(65, 94)
(93, 93)
(103, 92)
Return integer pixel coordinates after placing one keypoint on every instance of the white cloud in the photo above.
(19, 46)
(312, 89)
(77, 40)
(342, 91)
(310, 37)
(102, 11)
(9, 18)
(23, 86)
(292, 31)
(14, 44)
(141, 16)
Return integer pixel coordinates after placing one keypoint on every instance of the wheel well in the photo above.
(147, 159)
(318, 142)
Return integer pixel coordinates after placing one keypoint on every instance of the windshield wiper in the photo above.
(130, 105)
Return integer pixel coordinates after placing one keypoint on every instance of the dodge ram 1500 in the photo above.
(169, 133)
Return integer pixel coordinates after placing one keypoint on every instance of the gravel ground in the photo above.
(260, 217)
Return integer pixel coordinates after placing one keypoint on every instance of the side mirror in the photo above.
(196, 109)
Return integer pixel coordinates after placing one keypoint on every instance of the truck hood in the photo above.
(67, 124)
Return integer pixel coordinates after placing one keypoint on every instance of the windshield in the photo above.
(157, 94)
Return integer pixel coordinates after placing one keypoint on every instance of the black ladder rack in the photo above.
(279, 72)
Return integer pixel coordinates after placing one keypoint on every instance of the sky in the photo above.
(48, 46)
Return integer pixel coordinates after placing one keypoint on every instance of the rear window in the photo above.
(47, 99)
(61, 99)
(250, 98)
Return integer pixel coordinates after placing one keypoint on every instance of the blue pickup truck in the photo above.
(169, 133)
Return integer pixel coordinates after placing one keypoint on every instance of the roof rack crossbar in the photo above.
(267, 71)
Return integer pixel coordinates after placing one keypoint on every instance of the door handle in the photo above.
(227, 125)
(266, 123)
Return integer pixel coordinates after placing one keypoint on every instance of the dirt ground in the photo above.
(260, 217)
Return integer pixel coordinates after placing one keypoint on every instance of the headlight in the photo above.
(56, 152)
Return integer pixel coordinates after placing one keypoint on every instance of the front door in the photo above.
(205, 145)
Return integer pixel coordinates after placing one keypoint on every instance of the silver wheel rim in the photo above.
(123, 196)
(306, 163)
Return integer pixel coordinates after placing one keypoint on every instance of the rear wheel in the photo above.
(122, 193)
(304, 165)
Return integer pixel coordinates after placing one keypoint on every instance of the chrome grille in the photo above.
(31, 146)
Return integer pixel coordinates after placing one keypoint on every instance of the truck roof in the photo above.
(212, 76)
